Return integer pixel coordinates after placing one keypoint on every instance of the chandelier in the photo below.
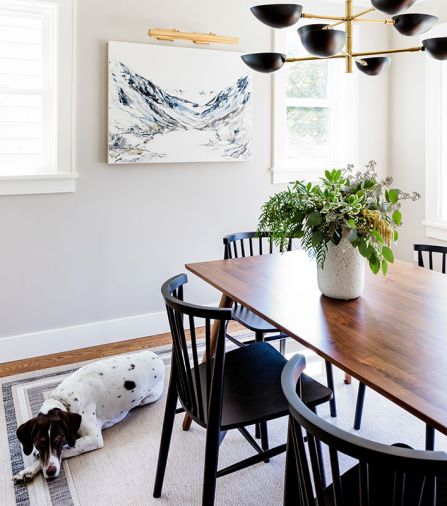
(324, 41)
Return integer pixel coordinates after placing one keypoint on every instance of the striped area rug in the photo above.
(122, 473)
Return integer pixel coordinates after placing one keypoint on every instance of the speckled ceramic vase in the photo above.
(343, 274)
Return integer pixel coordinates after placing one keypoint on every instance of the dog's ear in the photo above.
(25, 436)
(72, 423)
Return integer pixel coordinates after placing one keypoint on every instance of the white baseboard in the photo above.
(81, 336)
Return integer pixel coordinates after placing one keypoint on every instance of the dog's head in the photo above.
(48, 433)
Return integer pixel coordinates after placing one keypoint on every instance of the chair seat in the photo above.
(252, 386)
(250, 320)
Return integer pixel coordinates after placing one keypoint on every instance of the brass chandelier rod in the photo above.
(318, 16)
(357, 55)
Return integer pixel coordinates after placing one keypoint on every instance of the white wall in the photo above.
(407, 129)
(102, 253)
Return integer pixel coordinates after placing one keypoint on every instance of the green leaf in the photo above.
(397, 217)
(362, 247)
(314, 219)
(388, 254)
(375, 267)
(298, 234)
(376, 235)
(384, 267)
(371, 254)
(317, 237)
(393, 196)
(351, 223)
(395, 235)
(369, 183)
(352, 235)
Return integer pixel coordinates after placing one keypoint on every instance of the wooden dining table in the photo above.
(393, 338)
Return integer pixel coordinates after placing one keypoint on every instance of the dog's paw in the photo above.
(24, 476)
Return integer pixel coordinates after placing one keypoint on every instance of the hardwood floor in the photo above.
(91, 353)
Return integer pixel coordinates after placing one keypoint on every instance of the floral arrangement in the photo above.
(346, 201)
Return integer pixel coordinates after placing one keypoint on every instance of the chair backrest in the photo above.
(384, 475)
(244, 244)
(430, 249)
(198, 388)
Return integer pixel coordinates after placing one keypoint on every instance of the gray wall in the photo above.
(102, 252)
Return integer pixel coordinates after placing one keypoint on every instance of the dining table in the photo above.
(393, 338)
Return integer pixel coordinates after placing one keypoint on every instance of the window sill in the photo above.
(288, 175)
(38, 184)
(436, 230)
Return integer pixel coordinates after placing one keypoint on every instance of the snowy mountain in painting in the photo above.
(149, 124)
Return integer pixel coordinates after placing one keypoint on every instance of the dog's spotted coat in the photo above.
(93, 398)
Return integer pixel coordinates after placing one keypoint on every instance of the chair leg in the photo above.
(330, 384)
(259, 338)
(264, 438)
(429, 438)
(168, 422)
(359, 406)
(211, 462)
(282, 346)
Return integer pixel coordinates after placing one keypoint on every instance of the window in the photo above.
(436, 146)
(36, 78)
(315, 114)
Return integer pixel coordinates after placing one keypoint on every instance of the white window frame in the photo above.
(435, 148)
(343, 101)
(58, 175)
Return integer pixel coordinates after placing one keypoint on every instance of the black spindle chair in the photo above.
(420, 248)
(244, 244)
(227, 391)
(430, 249)
(382, 475)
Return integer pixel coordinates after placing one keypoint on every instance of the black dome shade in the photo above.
(374, 65)
(392, 6)
(278, 15)
(414, 24)
(320, 42)
(264, 62)
(436, 48)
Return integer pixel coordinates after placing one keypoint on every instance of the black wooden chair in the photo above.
(382, 475)
(244, 244)
(420, 248)
(228, 391)
(430, 249)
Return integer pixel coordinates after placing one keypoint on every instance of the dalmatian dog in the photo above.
(95, 397)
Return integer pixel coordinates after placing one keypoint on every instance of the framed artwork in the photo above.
(174, 104)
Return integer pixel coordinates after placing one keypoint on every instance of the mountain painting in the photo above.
(171, 104)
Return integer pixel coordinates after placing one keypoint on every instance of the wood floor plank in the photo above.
(92, 353)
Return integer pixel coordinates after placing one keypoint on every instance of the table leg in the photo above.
(348, 378)
(225, 301)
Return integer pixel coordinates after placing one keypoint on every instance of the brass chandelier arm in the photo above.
(293, 59)
(362, 13)
(390, 51)
(357, 19)
(356, 55)
(318, 16)
(383, 21)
